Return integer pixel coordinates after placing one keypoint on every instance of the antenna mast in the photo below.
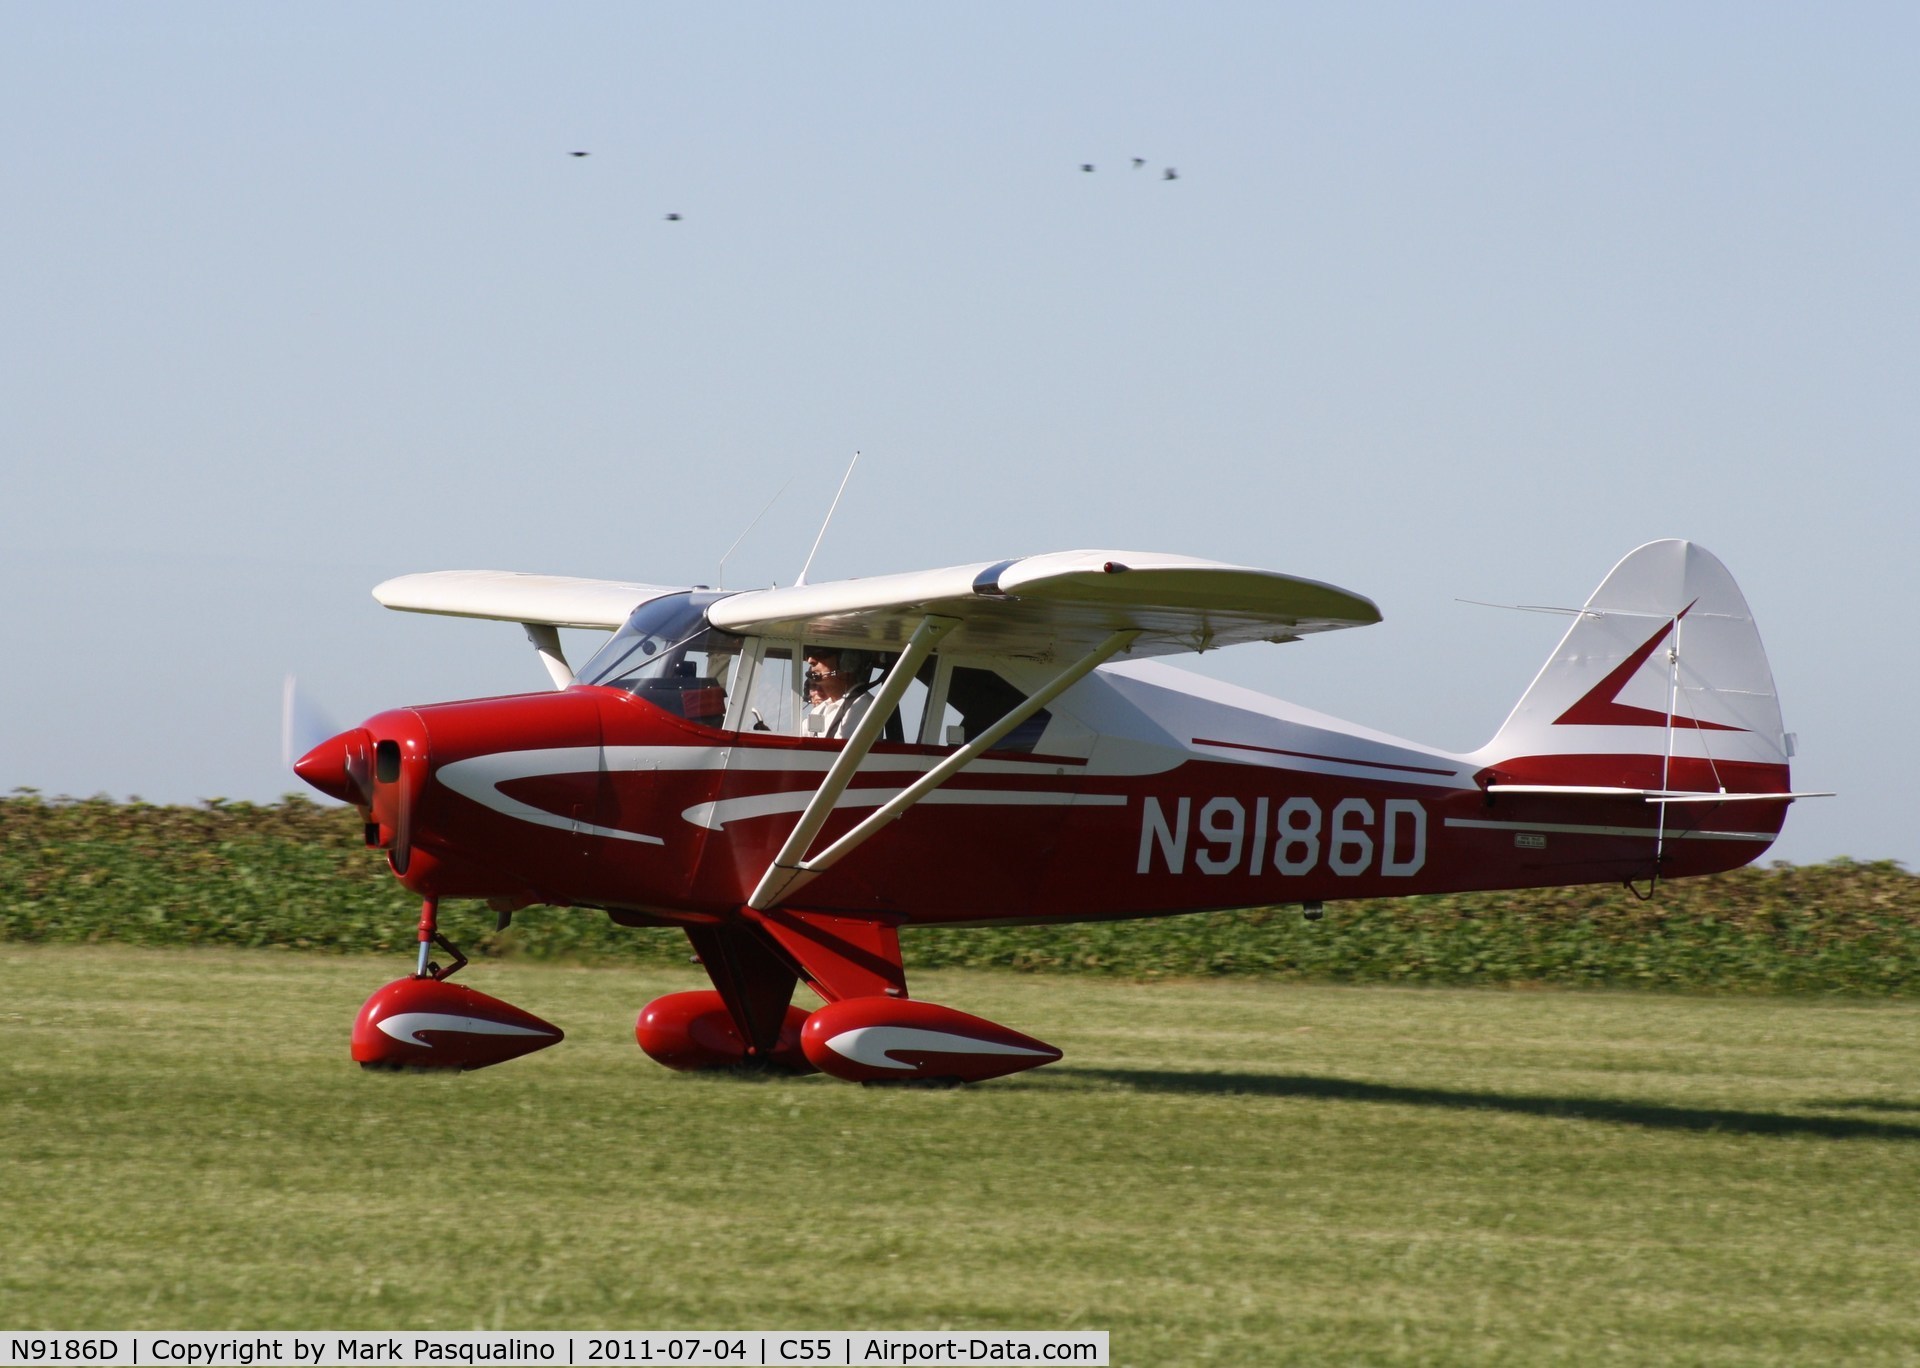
(830, 512)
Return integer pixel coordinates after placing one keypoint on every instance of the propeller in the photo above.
(353, 767)
(342, 768)
(303, 724)
(338, 763)
(313, 746)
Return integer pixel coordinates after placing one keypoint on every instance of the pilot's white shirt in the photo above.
(837, 716)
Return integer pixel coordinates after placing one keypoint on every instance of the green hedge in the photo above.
(295, 875)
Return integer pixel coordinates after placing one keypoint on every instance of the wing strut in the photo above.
(545, 639)
(820, 807)
(790, 873)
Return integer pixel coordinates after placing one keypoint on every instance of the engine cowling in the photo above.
(694, 1030)
(895, 1040)
(425, 1023)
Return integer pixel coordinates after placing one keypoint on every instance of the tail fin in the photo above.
(1660, 684)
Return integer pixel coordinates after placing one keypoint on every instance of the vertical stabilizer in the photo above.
(1660, 683)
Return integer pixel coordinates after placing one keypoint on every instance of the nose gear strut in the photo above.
(424, 1022)
(429, 937)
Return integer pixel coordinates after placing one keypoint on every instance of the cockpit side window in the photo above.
(667, 655)
(976, 699)
(773, 692)
(785, 692)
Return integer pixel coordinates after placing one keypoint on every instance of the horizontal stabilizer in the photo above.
(1650, 795)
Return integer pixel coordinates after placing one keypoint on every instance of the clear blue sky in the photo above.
(1461, 300)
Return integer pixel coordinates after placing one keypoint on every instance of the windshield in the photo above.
(667, 655)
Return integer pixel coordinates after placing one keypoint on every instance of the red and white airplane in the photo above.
(1018, 756)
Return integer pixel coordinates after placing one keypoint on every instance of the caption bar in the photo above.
(529, 1349)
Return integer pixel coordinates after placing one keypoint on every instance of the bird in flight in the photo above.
(1170, 174)
(673, 218)
(576, 154)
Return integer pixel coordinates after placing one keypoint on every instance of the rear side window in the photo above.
(976, 699)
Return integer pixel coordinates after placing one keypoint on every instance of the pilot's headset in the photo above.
(857, 667)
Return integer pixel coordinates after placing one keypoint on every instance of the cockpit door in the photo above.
(768, 697)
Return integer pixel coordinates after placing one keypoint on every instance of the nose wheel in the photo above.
(424, 1022)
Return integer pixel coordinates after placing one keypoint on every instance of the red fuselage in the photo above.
(591, 796)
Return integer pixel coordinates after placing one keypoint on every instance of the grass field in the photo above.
(1219, 1172)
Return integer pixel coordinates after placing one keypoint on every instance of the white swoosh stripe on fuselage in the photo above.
(714, 816)
(757, 759)
(480, 777)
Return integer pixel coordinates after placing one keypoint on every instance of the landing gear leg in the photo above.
(429, 928)
(754, 982)
(429, 937)
(424, 1022)
(747, 1021)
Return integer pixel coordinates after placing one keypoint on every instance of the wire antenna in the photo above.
(1528, 608)
(721, 582)
(1571, 612)
(830, 512)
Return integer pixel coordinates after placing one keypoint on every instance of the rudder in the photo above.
(1660, 683)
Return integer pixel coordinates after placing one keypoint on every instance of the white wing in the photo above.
(504, 596)
(1055, 606)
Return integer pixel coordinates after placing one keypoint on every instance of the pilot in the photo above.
(837, 690)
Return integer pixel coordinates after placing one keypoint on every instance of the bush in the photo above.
(295, 875)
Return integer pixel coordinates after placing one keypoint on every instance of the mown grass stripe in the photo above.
(1226, 1172)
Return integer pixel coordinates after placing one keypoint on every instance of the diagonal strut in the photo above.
(796, 871)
